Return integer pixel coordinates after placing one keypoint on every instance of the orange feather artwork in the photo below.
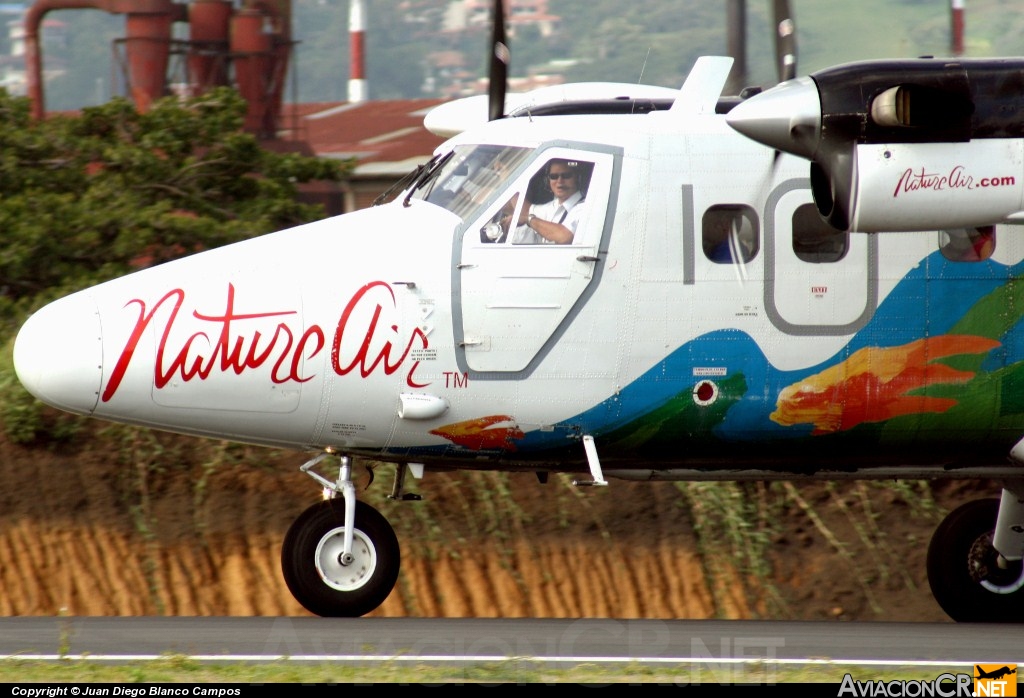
(873, 384)
(484, 433)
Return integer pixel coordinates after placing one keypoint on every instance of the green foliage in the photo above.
(734, 524)
(89, 197)
(22, 417)
(20, 414)
(95, 195)
(738, 526)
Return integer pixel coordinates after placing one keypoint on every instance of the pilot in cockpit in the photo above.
(556, 203)
(556, 220)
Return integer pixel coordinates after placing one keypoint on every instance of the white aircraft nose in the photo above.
(786, 117)
(58, 354)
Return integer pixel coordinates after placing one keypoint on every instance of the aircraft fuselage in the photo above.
(402, 333)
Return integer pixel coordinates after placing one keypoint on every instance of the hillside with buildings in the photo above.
(438, 48)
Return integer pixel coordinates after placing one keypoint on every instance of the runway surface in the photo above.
(554, 642)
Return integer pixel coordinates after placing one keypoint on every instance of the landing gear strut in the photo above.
(970, 579)
(341, 556)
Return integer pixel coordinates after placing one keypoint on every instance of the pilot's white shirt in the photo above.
(574, 208)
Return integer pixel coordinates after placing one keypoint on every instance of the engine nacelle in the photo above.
(925, 186)
(902, 145)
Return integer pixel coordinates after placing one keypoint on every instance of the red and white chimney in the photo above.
(958, 27)
(357, 56)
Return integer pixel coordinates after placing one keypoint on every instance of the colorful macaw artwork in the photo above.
(497, 432)
(968, 377)
(876, 384)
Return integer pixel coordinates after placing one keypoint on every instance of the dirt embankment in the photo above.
(187, 530)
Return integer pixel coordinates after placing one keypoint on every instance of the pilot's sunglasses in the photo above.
(561, 175)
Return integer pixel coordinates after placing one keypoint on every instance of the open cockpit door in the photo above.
(528, 260)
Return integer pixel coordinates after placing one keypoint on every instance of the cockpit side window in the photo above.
(560, 197)
(556, 203)
(548, 210)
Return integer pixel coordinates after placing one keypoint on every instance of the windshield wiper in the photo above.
(403, 182)
(428, 173)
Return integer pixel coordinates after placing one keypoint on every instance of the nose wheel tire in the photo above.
(969, 579)
(319, 575)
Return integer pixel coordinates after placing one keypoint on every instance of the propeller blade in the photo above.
(500, 56)
(736, 43)
(785, 40)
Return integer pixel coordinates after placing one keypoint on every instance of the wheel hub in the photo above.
(994, 573)
(340, 571)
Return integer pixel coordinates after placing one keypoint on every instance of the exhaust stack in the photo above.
(357, 56)
(957, 34)
(255, 37)
(208, 22)
(147, 45)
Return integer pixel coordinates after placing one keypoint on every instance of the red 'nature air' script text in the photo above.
(227, 342)
(957, 178)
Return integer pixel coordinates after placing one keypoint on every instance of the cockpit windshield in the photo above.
(469, 178)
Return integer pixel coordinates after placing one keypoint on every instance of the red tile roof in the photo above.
(386, 137)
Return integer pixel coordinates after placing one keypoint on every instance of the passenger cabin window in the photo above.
(550, 208)
(814, 240)
(968, 244)
(730, 234)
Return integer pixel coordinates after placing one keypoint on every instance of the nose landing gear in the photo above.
(341, 556)
(315, 568)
